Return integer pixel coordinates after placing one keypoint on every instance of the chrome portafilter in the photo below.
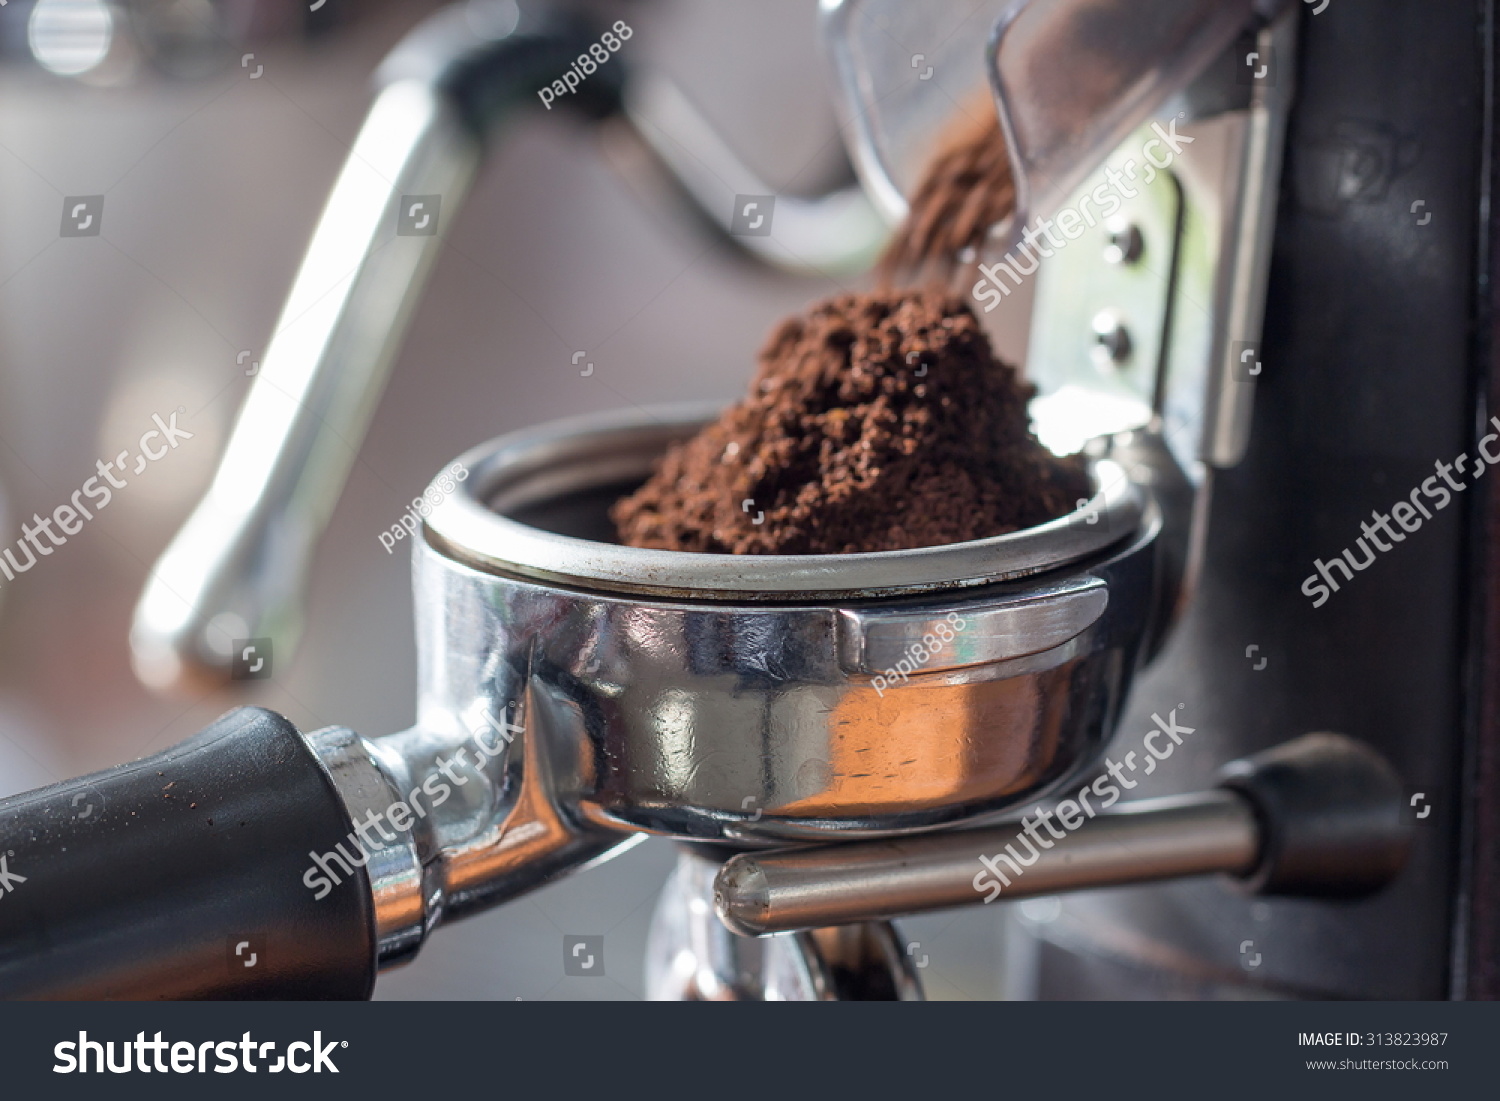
(738, 702)
(764, 699)
(798, 723)
(575, 695)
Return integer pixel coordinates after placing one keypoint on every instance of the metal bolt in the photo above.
(1125, 243)
(1113, 337)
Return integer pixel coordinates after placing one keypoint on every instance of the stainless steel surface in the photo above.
(691, 956)
(394, 869)
(1250, 227)
(1194, 301)
(1060, 129)
(237, 569)
(504, 837)
(902, 68)
(1197, 292)
(710, 719)
(1161, 338)
(837, 233)
(578, 717)
(906, 69)
(1101, 332)
(615, 450)
(873, 640)
(1167, 838)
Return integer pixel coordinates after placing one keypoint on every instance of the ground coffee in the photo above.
(875, 422)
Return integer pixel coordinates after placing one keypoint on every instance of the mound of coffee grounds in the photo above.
(875, 422)
(965, 189)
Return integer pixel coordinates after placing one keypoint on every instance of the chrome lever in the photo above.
(1321, 816)
(835, 233)
(237, 569)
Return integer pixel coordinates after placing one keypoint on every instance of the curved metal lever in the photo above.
(836, 233)
(236, 570)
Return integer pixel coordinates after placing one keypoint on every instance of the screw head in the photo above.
(1114, 345)
(1124, 243)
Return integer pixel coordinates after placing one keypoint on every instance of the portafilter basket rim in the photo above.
(598, 450)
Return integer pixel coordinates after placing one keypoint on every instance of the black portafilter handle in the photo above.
(181, 876)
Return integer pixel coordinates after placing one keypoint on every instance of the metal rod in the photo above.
(236, 570)
(1154, 839)
(838, 232)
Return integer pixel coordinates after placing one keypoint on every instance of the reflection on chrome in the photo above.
(70, 37)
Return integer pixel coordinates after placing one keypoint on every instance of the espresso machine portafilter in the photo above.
(576, 695)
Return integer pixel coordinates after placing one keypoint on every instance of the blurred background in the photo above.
(214, 130)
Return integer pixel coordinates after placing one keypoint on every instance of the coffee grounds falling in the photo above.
(965, 190)
(875, 423)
